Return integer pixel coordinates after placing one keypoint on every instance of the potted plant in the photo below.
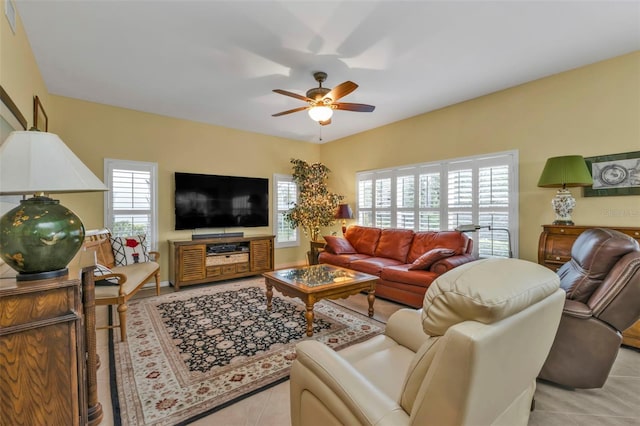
(316, 206)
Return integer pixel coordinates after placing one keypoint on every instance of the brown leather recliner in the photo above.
(602, 282)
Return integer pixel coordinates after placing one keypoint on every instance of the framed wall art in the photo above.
(40, 119)
(614, 174)
(10, 116)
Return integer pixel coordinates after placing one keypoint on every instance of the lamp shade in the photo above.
(565, 171)
(39, 237)
(320, 113)
(33, 162)
(344, 212)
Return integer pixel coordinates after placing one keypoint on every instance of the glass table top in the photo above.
(318, 275)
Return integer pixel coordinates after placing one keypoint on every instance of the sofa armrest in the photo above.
(405, 328)
(122, 279)
(155, 255)
(577, 309)
(319, 369)
(448, 263)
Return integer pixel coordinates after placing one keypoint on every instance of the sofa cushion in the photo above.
(394, 244)
(343, 260)
(402, 274)
(424, 241)
(486, 291)
(429, 258)
(136, 275)
(129, 250)
(373, 265)
(364, 239)
(337, 245)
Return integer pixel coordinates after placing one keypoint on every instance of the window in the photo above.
(480, 190)
(286, 193)
(131, 203)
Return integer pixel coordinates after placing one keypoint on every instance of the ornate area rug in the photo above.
(193, 352)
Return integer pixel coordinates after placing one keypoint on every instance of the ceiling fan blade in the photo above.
(345, 106)
(324, 123)
(290, 111)
(341, 90)
(293, 95)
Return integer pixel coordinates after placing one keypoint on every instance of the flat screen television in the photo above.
(213, 201)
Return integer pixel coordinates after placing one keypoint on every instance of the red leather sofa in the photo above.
(395, 255)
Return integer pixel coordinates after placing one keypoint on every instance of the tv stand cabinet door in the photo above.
(191, 263)
(261, 256)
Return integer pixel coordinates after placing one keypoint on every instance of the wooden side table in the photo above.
(554, 250)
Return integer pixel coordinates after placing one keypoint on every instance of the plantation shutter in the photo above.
(493, 210)
(131, 200)
(405, 201)
(480, 190)
(286, 194)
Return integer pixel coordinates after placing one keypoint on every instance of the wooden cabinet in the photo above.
(48, 351)
(208, 260)
(554, 250)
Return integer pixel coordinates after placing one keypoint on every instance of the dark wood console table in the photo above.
(554, 250)
(48, 351)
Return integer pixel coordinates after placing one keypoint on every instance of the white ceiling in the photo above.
(217, 61)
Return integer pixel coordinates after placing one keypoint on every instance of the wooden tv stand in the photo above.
(215, 259)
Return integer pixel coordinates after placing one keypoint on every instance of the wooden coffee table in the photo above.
(317, 282)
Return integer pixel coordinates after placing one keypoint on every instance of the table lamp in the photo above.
(39, 237)
(563, 172)
(344, 212)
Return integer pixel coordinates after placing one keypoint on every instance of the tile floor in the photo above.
(616, 404)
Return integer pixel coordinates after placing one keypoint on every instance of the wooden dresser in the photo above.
(554, 250)
(47, 352)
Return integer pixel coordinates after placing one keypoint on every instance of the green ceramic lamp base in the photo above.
(42, 275)
(39, 238)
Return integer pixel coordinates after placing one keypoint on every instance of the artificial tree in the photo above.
(316, 206)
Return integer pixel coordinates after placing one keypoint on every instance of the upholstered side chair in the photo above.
(470, 356)
(602, 285)
(126, 280)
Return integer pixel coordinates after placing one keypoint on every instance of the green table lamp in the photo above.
(39, 237)
(563, 172)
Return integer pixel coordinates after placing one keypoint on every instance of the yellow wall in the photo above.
(590, 111)
(19, 73)
(95, 132)
(593, 110)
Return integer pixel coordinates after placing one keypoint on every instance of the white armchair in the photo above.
(469, 357)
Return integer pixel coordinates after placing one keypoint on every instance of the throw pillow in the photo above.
(101, 271)
(129, 250)
(429, 258)
(337, 245)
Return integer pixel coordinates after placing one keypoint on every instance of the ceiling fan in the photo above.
(322, 101)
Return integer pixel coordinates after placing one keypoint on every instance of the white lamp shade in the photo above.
(33, 162)
(320, 113)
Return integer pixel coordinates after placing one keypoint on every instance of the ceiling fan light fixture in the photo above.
(320, 113)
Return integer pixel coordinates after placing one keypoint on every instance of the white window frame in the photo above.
(111, 164)
(277, 178)
(509, 158)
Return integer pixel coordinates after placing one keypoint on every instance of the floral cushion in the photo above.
(100, 271)
(337, 245)
(429, 258)
(129, 250)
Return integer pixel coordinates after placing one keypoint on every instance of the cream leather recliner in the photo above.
(469, 357)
